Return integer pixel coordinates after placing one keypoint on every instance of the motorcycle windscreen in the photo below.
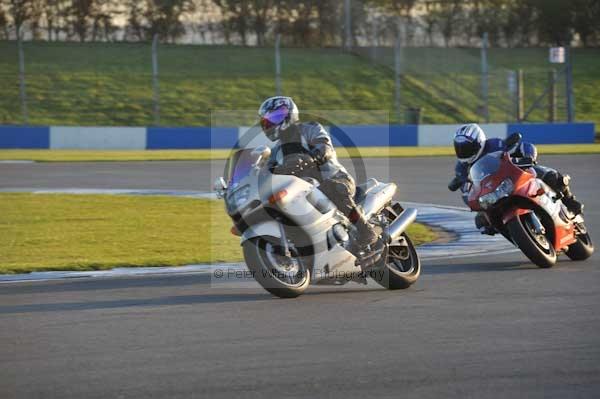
(485, 166)
(239, 166)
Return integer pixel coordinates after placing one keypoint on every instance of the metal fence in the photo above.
(144, 84)
(462, 84)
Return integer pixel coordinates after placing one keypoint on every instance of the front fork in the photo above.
(537, 224)
(283, 240)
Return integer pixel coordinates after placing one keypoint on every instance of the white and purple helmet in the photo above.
(469, 142)
(276, 114)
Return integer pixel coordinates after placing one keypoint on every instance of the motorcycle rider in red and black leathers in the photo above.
(470, 144)
(308, 144)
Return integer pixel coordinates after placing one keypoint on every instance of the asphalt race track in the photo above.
(485, 327)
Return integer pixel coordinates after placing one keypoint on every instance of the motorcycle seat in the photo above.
(363, 189)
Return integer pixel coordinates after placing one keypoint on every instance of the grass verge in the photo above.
(110, 84)
(42, 232)
(200, 155)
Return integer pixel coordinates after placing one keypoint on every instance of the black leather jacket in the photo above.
(310, 138)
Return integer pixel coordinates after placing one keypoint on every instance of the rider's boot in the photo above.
(571, 202)
(368, 246)
(563, 187)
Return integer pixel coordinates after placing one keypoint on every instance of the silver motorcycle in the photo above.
(293, 235)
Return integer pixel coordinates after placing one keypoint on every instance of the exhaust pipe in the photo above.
(399, 226)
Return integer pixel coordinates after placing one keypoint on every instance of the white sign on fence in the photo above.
(557, 55)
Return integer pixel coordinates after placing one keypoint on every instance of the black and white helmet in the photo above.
(469, 142)
(276, 114)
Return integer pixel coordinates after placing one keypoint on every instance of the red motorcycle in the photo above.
(525, 210)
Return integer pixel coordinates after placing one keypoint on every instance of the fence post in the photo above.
(155, 87)
(277, 65)
(374, 34)
(570, 96)
(398, 71)
(484, 78)
(347, 25)
(22, 91)
(552, 78)
(520, 96)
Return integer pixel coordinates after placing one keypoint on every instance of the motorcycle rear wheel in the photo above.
(535, 246)
(285, 277)
(401, 269)
(402, 266)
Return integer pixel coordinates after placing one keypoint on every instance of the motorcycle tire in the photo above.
(582, 249)
(396, 274)
(265, 264)
(540, 253)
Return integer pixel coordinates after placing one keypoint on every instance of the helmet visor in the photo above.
(273, 118)
(465, 148)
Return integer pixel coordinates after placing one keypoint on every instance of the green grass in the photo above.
(115, 155)
(90, 232)
(111, 83)
(40, 232)
(198, 155)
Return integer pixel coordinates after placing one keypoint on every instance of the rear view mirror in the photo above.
(220, 186)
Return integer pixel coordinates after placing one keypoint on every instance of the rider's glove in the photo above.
(321, 153)
(455, 184)
(295, 164)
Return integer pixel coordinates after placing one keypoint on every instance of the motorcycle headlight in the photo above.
(239, 197)
(485, 201)
(503, 190)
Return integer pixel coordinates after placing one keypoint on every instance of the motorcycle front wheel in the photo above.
(282, 276)
(536, 246)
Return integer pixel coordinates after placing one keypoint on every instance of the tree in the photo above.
(522, 21)
(135, 26)
(328, 12)
(235, 17)
(261, 14)
(448, 14)
(430, 20)
(80, 15)
(20, 12)
(402, 8)
(161, 17)
(486, 16)
(554, 21)
(4, 31)
(54, 16)
(586, 20)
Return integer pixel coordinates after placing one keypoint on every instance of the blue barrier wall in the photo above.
(360, 136)
(374, 135)
(404, 135)
(24, 137)
(227, 137)
(555, 133)
(191, 137)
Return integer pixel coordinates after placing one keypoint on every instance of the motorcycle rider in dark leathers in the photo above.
(470, 144)
(305, 149)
